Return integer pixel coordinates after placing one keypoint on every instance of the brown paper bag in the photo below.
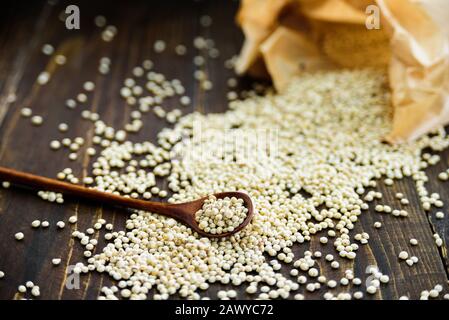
(287, 37)
(419, 69)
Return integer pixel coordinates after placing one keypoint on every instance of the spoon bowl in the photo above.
(183, 212)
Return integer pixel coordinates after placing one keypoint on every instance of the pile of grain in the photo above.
(306, 157)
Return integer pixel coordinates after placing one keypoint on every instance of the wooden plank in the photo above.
(24, 146)
(440, 226)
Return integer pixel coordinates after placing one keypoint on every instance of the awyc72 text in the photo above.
(246, 309)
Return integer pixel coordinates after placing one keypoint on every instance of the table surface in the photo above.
(26, 26)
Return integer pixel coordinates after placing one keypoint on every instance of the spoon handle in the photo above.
(47, 184)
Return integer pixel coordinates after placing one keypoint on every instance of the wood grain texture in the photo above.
(25, 27)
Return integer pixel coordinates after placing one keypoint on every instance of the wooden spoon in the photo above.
(183, 212)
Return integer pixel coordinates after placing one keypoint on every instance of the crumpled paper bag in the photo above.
(284, 38)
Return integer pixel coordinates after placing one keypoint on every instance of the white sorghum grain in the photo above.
(55, 144)
(184, 100)
(302, 279)
(60, 59)
(232, 95)
(56, 261)
(299, 296)
(159, 46)
(47, 49)
(60, 224)
(444, 176)
(109, 33)
(335, 264)
(232, 82)
(89, 86)
(43, 77)
(403, 255)
(221, 294)
(313, 272)
(100, 21)
(35, 291)
(409, 262)
(438, 240)
(37, 120)
(103, 69)
(251, 289)
(88, 180)
(180, 50)
(73, 156)
(85, 114)
(138, 71)
(91, 151)
(26, 112)
(73, 180)
(63, 127)
(379, 208)
(81, 97)
(221, 215)
(36, 224)
(371, 289)
(206, 85)
(358, 295)
(323, 240)
(11, 97)
(147, 64)
(439, 215)
(79, 140)
(310, 287)
(70, 103)
(19, 236)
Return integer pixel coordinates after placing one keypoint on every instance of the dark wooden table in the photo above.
(26, 26)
